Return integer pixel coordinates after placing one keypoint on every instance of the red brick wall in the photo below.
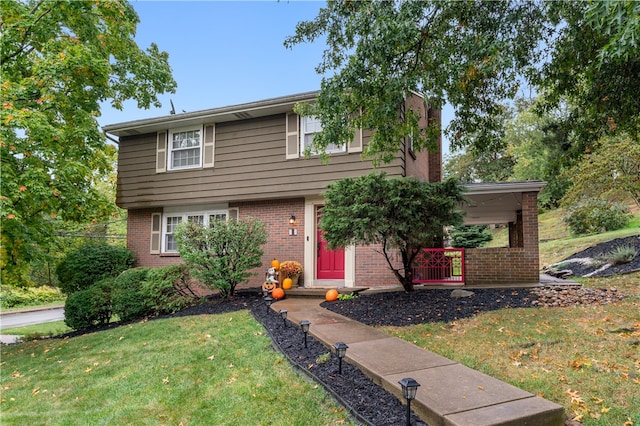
(280, 245)
(511, 265)
(275, 214)
(139, 240)
(499, 265)
(372, 269)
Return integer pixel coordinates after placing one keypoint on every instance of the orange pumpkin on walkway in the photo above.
(331, 295)
(277, 293)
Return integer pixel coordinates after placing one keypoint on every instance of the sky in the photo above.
(226, 52)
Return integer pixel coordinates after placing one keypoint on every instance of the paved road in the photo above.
(19, 319)
(30, 317)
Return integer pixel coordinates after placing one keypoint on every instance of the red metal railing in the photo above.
(442, 266)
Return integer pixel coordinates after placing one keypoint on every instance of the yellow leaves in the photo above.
(576, 399)
(578, 363)
(16, 374)
(35, 391)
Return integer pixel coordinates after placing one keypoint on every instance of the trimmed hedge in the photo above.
(92, 262)
(129, 301)
(89, 308)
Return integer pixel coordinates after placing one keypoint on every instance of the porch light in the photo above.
(341, 351)
(304, 324)
(283, 314)
(292, 220)
(409, 390)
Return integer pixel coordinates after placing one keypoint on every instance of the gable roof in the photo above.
(214, 115)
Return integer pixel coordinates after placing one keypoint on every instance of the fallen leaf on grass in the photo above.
(210, 358)
(35, 391)
(165, 381)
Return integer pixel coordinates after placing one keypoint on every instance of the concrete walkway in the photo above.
(450, 393)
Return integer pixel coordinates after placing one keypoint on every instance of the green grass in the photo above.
(44, 329)
(198, 370)
(586, 358)
(556, 243)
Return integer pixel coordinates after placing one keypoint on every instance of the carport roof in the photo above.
(496, 202)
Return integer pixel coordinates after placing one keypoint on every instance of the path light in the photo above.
(341, 351)
(409, 390)
(267, 301)
(283, 314)
(305, 329)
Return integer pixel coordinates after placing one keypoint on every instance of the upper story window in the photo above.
(185, 148)
(309, 126)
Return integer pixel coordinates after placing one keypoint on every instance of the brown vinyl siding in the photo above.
(250, 164)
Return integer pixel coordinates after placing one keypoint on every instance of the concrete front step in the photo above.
(450, 394)
(319, 292)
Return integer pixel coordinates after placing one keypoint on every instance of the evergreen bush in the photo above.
(128, 299)
(89, 308)
(90, 263)
(470, 236)
(167, 289)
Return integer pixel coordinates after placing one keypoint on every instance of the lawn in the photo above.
(197, 370)
(586, 358)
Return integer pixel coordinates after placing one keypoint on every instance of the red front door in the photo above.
(330, 263)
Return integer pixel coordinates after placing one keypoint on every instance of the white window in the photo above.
(309, 126)
(172, 220)
(185, 148)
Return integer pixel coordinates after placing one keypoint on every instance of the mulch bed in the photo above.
(601, 250)
(367, 402)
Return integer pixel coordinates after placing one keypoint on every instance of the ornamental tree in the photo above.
(58, 61)
(400, 215)
(223, 254)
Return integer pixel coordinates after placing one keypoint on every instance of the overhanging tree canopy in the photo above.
(474, 55)
(58, 61)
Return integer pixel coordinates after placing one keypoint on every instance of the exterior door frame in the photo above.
(310, 247)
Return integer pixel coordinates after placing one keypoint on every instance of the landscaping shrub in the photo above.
(222, 254)
(470, 236)
(91, 307)
(91, 263)
(14, 297)
(127, 296)
(167, 290)
(620, 255)
(596, 216)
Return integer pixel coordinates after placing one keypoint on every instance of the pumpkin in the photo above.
(275, 264)
(269, 285)
(277, 293)
(331, 295)
(287, 283)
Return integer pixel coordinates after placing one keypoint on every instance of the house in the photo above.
(247, 160)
